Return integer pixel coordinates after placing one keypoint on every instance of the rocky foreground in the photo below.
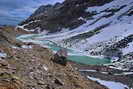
(29, 66)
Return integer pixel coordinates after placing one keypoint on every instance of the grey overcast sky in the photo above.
(14, 11)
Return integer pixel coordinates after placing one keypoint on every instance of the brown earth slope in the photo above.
(29, 66)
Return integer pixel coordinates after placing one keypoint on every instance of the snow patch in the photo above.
(81, 18)
(15, 47)
(112, 5)
(87, 70)
(46, 68)
(109, 84)
(3, 54)
(128, 49)
(125, 73)
(26, 47)
(22, 27)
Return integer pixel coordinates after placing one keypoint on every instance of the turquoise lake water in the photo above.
(73, 55)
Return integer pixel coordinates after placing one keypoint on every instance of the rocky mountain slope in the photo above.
(96, 27)
(29, 66)
(61, 15)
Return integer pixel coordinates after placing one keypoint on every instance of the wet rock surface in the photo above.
(32, 68)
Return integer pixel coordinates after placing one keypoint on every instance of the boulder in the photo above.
(61, 57)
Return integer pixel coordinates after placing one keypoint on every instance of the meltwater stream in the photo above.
(73, 55)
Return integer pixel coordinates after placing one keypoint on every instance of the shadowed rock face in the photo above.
(62, 15)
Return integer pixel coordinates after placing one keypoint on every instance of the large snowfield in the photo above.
(120, 26)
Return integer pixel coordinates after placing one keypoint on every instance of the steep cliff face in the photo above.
(28, 66)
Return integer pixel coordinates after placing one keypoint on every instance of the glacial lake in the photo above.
(73, 55)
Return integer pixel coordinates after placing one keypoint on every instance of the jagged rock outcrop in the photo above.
(61, 15)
